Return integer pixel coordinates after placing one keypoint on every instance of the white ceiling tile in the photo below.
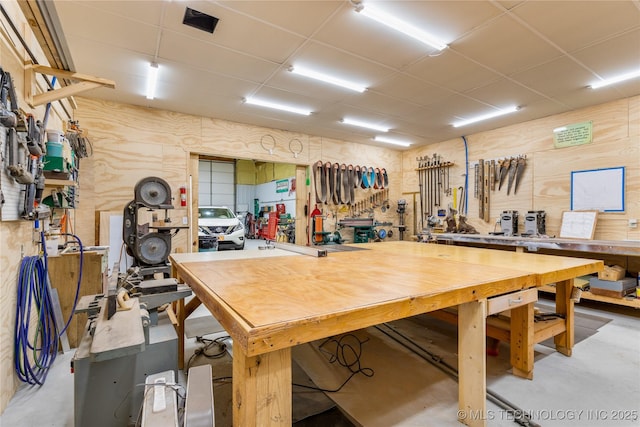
(564, 22)
(180, 48)
(378, 103)
(107, 28)
(504, 93)
(614, 56)
(555, 77)
(412, 90)
(489, 46)
(236, 31)
(300, 17)
(362, 37)
(452, 71)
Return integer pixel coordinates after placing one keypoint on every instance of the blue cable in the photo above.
(33, 293)
(43, 346)
(466, 174)
(75, 301)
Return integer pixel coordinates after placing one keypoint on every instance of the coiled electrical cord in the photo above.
(34, 293)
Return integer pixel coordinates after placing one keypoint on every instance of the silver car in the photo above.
(223, 224)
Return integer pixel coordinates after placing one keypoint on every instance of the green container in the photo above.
(57, 164)
(54, 149)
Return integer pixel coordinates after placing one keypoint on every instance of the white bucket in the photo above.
(54, 136)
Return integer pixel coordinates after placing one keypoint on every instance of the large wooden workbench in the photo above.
(625, 253)
(270, 301)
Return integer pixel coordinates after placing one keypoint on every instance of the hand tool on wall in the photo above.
(513, 164)
(504, 169)
(437, 173)
(420, 173)
(427, 191)
(492, 175)
(462, 203)
(485, 190)
(476, 175)
(522, 162)
(480, 186)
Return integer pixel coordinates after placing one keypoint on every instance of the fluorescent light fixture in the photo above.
(274, 105)
(152, 80)
(614, 80)
(365, 125)
(306, 72)
(393, 141)
(485, 116)
(391, 21)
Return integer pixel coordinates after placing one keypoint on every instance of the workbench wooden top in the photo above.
(548, 268)
(272, 302)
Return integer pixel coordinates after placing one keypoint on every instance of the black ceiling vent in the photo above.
(200, 20)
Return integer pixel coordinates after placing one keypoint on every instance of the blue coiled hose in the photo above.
(34, 357)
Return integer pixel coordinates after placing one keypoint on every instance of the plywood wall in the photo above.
(16, 237)
(133, 142)
(546, 181)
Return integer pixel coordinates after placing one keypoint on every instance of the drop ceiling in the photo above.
(538, 55)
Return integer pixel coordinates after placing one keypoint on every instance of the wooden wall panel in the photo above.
(133, 142)
(546, 182)
(16, 238)
(220, 137)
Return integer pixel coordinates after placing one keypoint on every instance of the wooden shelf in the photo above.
(59, 183)
(499, 327)
(635, 303)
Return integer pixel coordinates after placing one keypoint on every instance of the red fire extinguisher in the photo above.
(183, 196)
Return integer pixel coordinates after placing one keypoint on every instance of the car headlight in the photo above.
(238, 227)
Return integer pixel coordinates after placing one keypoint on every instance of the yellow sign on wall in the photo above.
(575, 134)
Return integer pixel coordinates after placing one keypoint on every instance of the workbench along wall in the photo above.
(546, 181)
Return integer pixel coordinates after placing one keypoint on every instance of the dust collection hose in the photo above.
(34, 293)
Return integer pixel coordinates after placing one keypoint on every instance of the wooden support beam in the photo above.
(472, 364)
(85, 82)
(262, 389)
(72, 75)
(564, 305)
(522, 340)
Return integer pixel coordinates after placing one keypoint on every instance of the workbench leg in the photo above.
(564, 305)
(522, 336)
(261, 389)
(182, 313)
(178, 309)
(472, 363)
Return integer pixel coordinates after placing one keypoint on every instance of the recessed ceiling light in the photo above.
(277, 106)
(393, 141)
(614, 80)
(306, 72)
(485, 116)
(391, 21)
(365, 125)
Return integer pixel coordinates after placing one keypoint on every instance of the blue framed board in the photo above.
(598, 189)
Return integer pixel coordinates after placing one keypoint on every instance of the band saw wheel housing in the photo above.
(153, 248)
(153, 192)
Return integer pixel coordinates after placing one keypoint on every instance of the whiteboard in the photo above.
(578, 224)
(598, 189)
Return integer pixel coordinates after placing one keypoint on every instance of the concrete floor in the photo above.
(598, 386)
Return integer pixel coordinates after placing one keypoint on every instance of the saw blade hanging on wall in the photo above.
(513, 163)
(504, 170)
(522, 163)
